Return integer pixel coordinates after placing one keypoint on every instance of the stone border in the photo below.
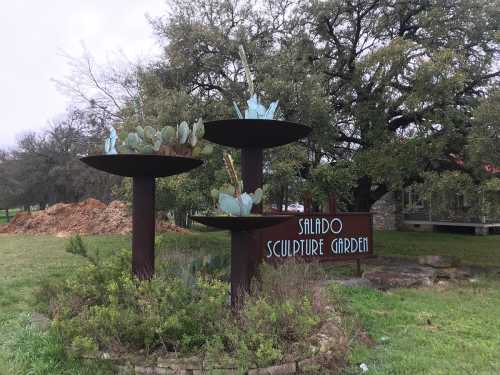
(171, 365)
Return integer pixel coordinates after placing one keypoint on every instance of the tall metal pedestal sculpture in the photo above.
(251, 136)
(143, 169)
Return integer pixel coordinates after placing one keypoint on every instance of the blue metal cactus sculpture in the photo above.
(109, 145)
(255, 110)
(169, 141)
(229, 198)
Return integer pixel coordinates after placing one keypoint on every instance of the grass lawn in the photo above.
(435, 331)
(462, 336)
(477, 250)
(25, 261)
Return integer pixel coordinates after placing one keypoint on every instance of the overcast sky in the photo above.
(33, 35)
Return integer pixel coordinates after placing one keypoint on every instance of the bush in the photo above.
(103, 304)
(76, 246)
(103, 307)
(276, 319)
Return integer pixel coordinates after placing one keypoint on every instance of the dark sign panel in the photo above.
(323, 237)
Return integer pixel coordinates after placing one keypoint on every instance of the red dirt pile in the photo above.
(90, 216)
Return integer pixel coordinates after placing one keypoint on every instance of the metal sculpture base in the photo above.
(143, 228)
(143, 169)
(251, 172)
(246, 253)
(244, 263)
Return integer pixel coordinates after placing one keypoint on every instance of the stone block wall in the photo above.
(387, 212)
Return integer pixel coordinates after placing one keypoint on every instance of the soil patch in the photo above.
(90, 216)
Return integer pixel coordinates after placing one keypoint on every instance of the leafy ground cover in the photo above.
(463, 318)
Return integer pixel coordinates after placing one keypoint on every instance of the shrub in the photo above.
(276, 320)
(76, 246)
(101, 306)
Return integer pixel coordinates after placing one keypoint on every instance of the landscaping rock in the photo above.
(40, 321)
(287, 368)
(438, 261)
(355, 282)
(142, 370)
(401, 277)
(454, 273)
(191, 363)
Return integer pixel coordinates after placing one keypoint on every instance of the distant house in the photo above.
(406, 210)
(475, 211)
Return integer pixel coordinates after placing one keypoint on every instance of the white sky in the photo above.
(33, 35)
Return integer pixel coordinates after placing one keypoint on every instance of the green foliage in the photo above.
(76, 246)
(45, 168)
(483, 139)
(456, 195)
(388, 87)
(340, 178)
(276, 320)
(103, 306)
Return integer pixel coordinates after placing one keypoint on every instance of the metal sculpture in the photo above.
(109, 145)
(169, 141)
(255, 110)
(229, 197)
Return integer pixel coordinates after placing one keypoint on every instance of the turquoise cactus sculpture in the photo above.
(109, 145)
(229, 198)
(172, 141)
(255, 110)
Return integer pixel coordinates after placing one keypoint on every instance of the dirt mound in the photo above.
(87, 217)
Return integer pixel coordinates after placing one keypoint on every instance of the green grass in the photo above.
(26, 260)
(428, 331)
(477, 250)
(466, 316)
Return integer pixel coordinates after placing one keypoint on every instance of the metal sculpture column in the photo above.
(251, 171)
(143, 227)
(251, 136)
(143, 169)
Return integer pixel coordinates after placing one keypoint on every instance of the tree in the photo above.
(388, 86)
(45, 168)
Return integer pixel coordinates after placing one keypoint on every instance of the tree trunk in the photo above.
(285, 188)
(364, 196)
(280, 200)
(180, 218)
(362, 199)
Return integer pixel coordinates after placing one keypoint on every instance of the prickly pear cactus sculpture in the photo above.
(255, 110)
(109, 145)
(170, 141)
(229, 198)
